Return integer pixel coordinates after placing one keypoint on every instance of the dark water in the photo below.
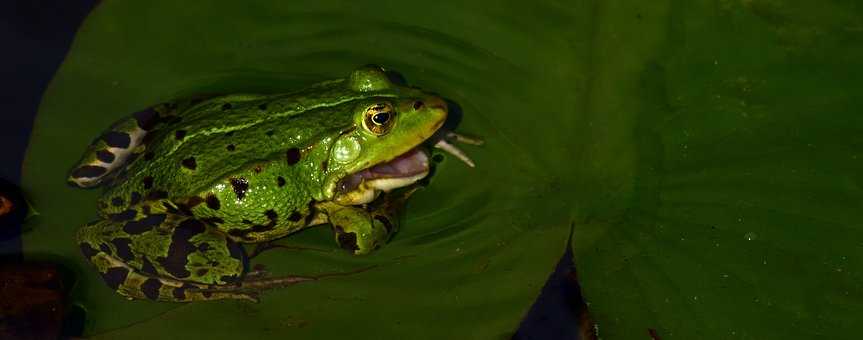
(704, 153)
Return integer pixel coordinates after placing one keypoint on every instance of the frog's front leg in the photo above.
(164, 257)
(356, 229)
(362, 229)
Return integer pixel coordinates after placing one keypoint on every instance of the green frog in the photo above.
(188, 182)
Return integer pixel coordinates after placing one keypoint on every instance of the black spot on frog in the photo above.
(295, 216)
(348, 241)
(105, 156)
(386, 222)
(134, 198)
(190, 163)
(115, 276)
(124, 250)
(144, 224)
(125, 215)
(293, 156)
(213, 202)
(181, 246)
(150, 288)
(117, 139)
(240, 185)
(146, 119)
(156, 195)
(147, 267)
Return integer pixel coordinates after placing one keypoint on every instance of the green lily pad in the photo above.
(706, 155)
(475, 247)
(745, 209)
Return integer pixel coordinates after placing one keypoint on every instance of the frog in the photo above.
(189, 185)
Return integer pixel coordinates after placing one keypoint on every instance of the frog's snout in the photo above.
(432, 108)
(436, 103)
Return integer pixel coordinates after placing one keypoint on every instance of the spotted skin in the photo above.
(362, 229)
(138, 259)
(110, 152)
(187, 183)
(149, 252)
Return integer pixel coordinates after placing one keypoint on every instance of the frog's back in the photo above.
(211, 142)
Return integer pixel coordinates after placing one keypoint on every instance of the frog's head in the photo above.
(383, 148)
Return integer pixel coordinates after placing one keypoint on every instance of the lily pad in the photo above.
(705, 154)
(475, 246)
(743, 220)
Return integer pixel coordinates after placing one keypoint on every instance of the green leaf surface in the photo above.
(707, 154)
(475, 247)
(744, 220)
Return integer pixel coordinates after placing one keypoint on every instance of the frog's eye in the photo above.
(379, 118)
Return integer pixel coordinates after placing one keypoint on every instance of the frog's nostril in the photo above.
(418, 105)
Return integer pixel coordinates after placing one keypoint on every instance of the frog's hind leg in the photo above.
(124, 140)
(164, 257)
(134, 284)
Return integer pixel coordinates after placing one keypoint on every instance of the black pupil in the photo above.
(381, 118)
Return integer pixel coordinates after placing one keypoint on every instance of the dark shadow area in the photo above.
(560, 311)
(13, 211)
(34, 297)
(35, 300)
(36, 35)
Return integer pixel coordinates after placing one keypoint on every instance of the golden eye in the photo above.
(379, 118)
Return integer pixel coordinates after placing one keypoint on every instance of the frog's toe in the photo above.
(455, 151)
(465, 139)
(191, 295)
(258, 272)
(359, 243)
(251, 297)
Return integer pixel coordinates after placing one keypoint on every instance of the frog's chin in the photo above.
(362, 187)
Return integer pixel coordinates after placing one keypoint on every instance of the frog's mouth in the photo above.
(363, 186)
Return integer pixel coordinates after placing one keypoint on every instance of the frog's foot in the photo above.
(257, 272)
(258, 283)
(388, 206)
(447, 144)
(269, 245)
(361, 229)
(118, 146)
(357, 230)
(250, 288)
